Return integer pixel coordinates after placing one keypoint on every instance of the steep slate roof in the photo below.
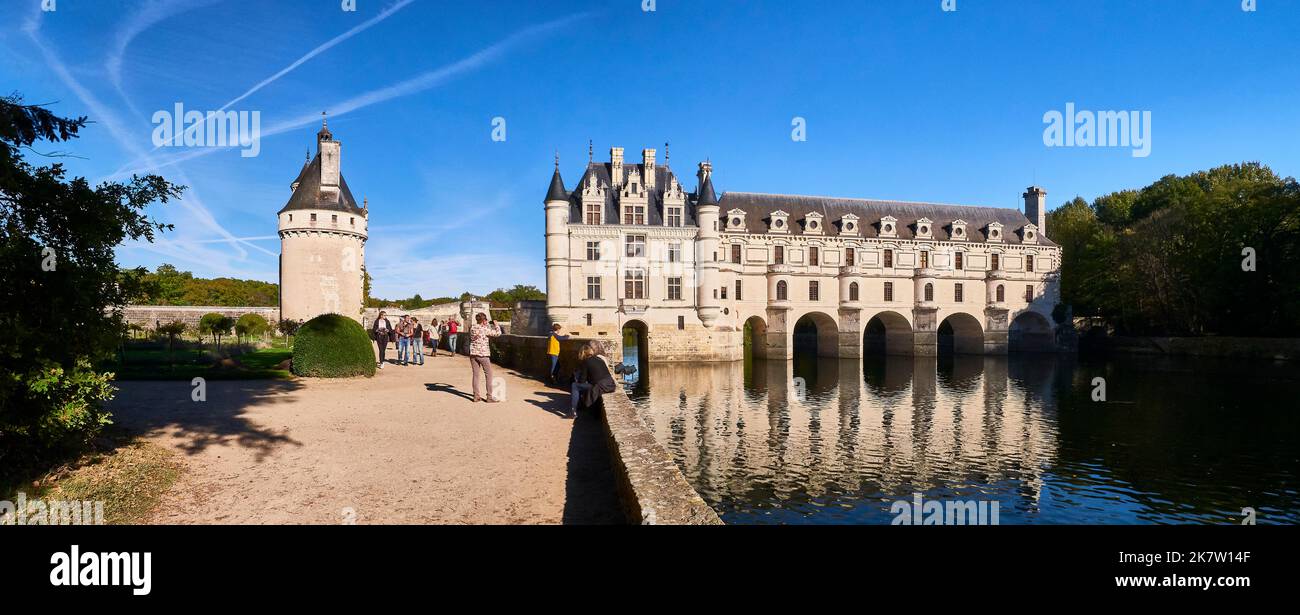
(557, 191)
(759, 207)
(655, 200)
(308, 195)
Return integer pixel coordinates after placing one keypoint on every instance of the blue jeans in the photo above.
(417, 349)
(575, 394)
(403, 349)
(451, 342)
(555, 363)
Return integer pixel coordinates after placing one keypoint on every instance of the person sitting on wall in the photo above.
(553, 350)
(591, 380)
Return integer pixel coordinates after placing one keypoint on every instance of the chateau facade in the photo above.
(701, 278)
(322, 239)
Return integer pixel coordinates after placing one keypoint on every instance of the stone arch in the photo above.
(960, 333)
(755, 337)
(816, 332)
(634, 340)
(1031, 331)
(887, 332)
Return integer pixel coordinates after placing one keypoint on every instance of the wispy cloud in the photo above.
(151, 12)
(414, 85)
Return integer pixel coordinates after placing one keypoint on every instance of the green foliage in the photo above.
(168, 286)
(171, 331)
(288, 326)
(1167, 259)
(517, 293)
(217, 325)
(333, 346)
(62, 288)
(251, 325)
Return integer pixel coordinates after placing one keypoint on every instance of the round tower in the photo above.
(557, 247)
(322, 240)
(706, 211)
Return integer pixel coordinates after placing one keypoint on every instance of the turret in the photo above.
(1036, 208)
(557, 246)
(706, 211)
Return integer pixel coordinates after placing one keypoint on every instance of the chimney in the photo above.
(706, 169)
(648, 159)
(1036, 208)
(616, 167)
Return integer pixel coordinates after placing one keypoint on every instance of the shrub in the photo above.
(52, 409)
(251, 325)
(217, 325)
(333, 346)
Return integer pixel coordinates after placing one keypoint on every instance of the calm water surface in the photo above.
(838, 441)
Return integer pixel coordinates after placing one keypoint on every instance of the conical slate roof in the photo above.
(557, 191)
(705, 194)
(308, 194)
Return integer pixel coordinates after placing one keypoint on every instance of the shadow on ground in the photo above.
(166, 407)
(590, 491)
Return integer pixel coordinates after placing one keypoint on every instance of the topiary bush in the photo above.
(333, 346)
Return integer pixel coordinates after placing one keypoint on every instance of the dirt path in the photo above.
(407, 446)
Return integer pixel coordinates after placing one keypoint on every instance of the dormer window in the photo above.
(957, 230)
(924, 228)
(889, 226)
(1029, 234)
(736, 220)
(994, 231)
(849, 225)
(780, 222)
(812, 224)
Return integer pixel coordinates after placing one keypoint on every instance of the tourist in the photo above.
(380, 331)
(404, 331)
(591, 380)
(433, 335)
(553, 349)
(453, 328)
(480, 352)
(417, 342)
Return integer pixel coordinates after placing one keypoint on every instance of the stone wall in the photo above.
(149, 316)
(652, 488)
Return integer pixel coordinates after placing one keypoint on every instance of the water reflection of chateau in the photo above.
(914, 424)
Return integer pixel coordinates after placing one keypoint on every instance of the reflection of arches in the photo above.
(1031, 332)
(887, 333)
(817, 334)
(636, 345)
(755, 339)
(961, 333)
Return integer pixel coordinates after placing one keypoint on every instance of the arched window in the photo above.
(781, 291)
(853, 291)
(1002, 294)
(929, 292)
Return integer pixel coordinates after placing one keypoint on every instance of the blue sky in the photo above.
(902, 101)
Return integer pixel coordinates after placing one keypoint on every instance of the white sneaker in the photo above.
(381, 366)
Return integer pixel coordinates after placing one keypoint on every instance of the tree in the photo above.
(172, 330)
(250, 325)
(63, 292)
(288, 327)
(217, 325)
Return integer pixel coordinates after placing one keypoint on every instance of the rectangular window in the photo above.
(737, 290)
(925, 259)
(995, 264)
(634, 284)
(848, 257)
(957, 293)
(588, 319)
(635, 246)
(889, 291)
(681, 322)
(735, 253)
(674, 252)
(814, 290)
(674, 216)
(674, 289)
(724, 292)
(593, 250)
(889, 258)
(593, 288)
(634, 214)
(1029, 293)
(593, 213)
(812, 256)
(779, 255)
(313, 217)
(1029, 263)
(959, 264)
(334, 218)
(352, 221)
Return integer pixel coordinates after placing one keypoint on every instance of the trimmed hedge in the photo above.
(333, 346)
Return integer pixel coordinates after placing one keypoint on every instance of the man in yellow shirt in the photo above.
(553, 348)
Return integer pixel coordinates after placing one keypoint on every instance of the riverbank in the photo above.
(1278, 349)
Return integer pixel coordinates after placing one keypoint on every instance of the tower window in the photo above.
(737, 290)
(782, 291)
(996, 263)
(929, 292)
(853, 291)
(1001, 294)
(313, 217)
(334, 218)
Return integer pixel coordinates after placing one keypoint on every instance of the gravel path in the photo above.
(407, 446)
